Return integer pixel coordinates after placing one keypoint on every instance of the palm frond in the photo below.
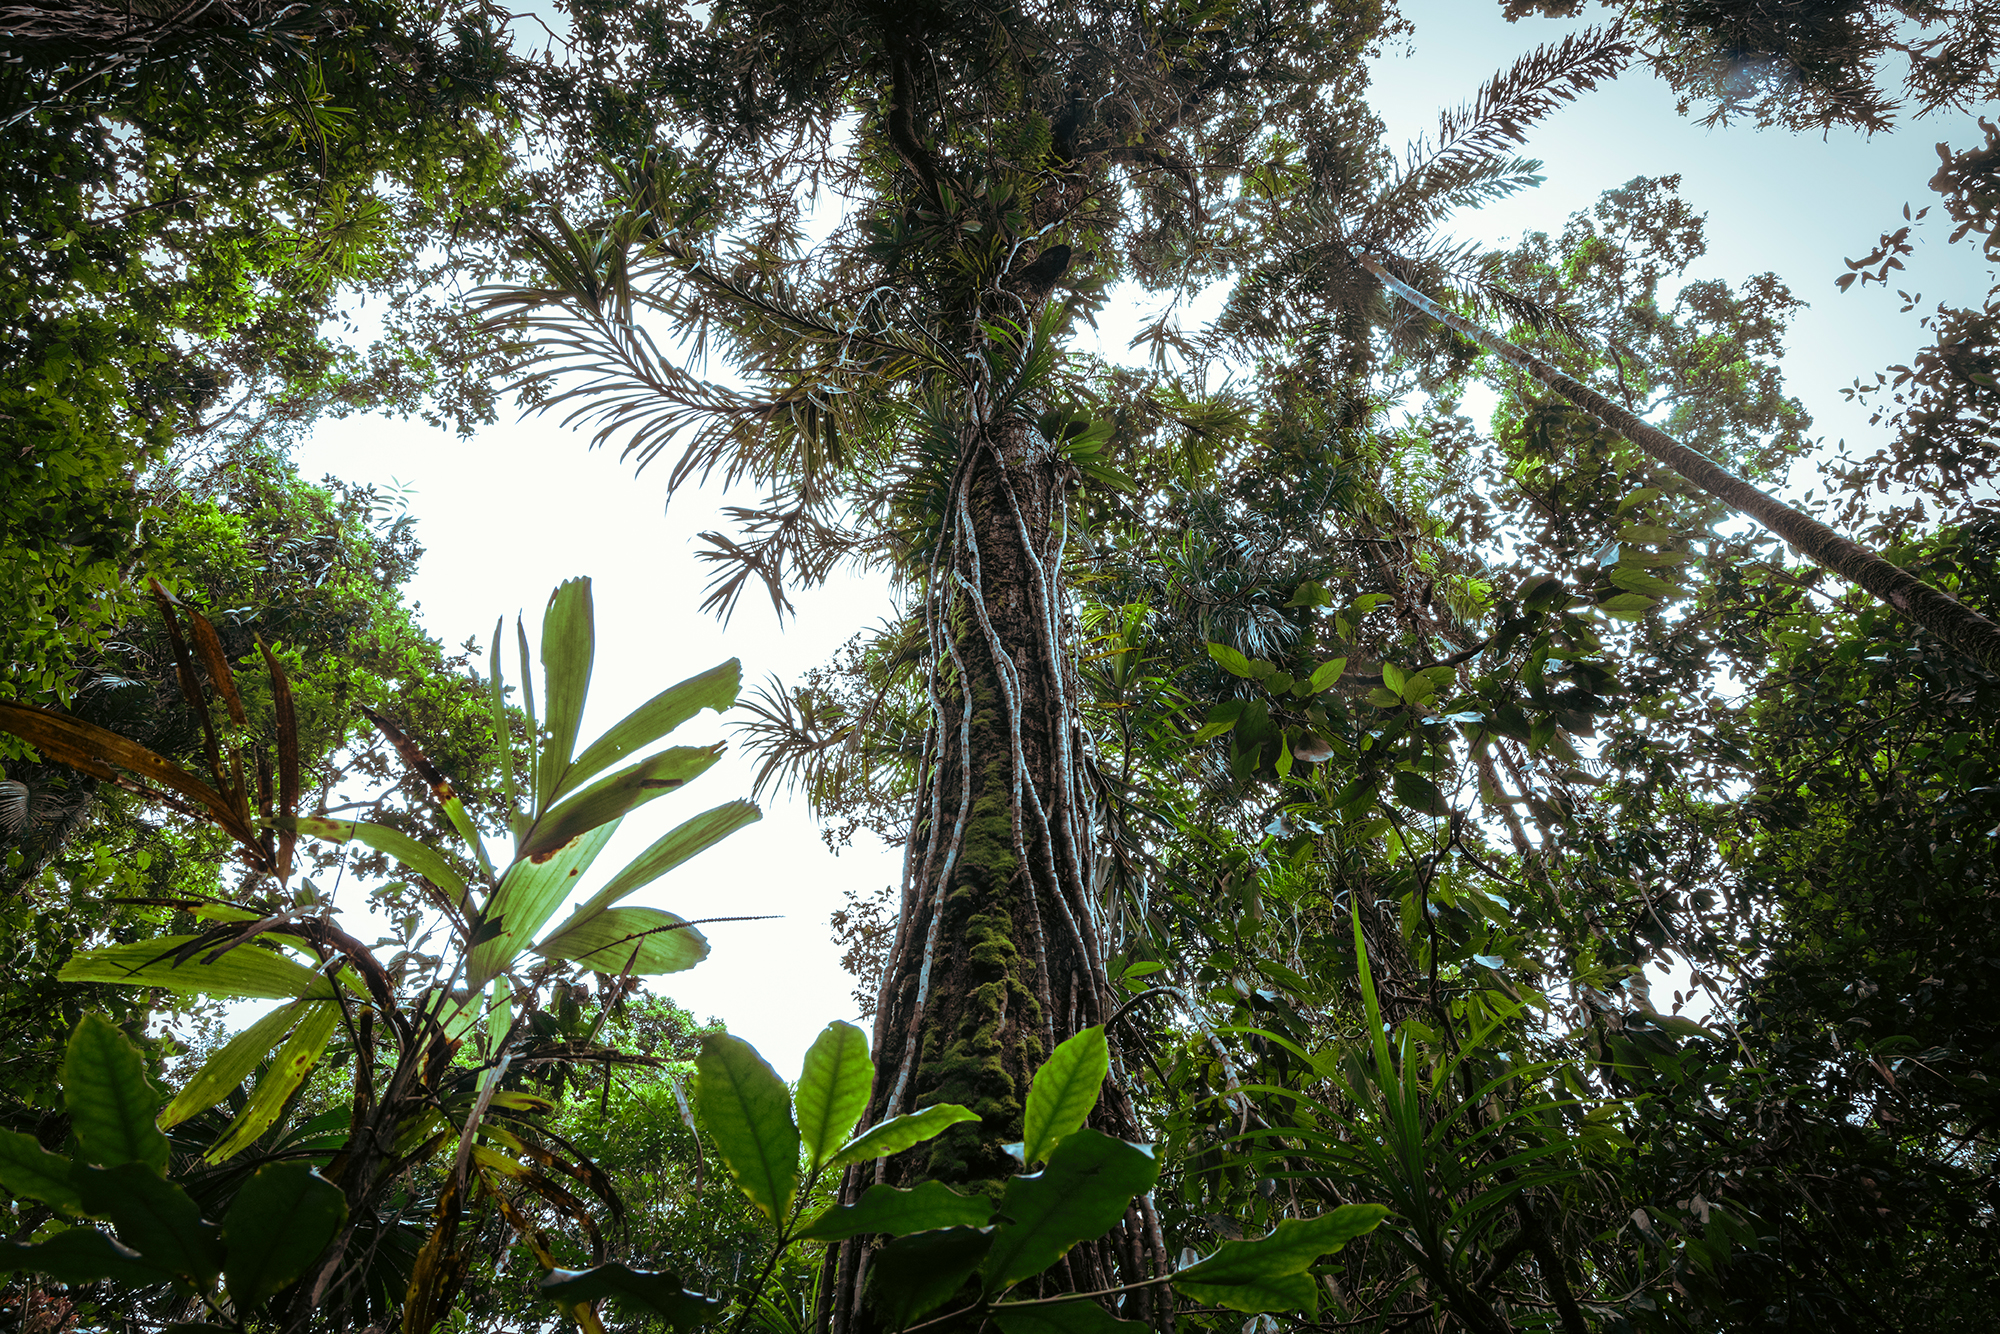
(785, 544)
(1471, 159)
(584, 346)
(14, 801)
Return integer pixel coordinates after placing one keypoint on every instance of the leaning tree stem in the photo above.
(1954, 623)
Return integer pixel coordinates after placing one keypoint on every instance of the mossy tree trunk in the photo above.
(1000, 952)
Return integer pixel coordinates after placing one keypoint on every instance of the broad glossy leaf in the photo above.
(1269, 1273)
(1063, 1091)
(609, 798)
(248, 972)
(154, 1217)
(81, 1255)
(914, 1275)
(569, 643)
(676, 846)
(1628, 606)
(746, 1108)
(1081, 1317)
(1638, 498)
(1221, 718)
(426, 862)
(1083, 1192)
(280, 1221)
(111, 1104)
(31, 1172)
(235, 1062)
(1420, 794)
(714, 689)
(496, 703)
(923, 1207)
(1326, 675)
(1275, 1292)
(288, 1069)
(529, 894)
(833, 1090)
(1231, 661)
(1651, 585)
(902, 1132)
(619, 940)
(635, 1292)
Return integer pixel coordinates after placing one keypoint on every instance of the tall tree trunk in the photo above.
(1959, 626)
(1000, 950)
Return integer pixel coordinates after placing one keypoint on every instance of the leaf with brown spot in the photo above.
(611, 798)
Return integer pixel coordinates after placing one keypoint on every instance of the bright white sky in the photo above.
(509, 514)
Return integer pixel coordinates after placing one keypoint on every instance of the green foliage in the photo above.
(1063, 1093)
(745, 1106)
(426, 1104)
(276, 1226)
(941, 1240)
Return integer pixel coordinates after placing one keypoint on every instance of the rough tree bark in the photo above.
(1000, 951)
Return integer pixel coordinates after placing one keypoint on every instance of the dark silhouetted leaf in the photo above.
(914, 1275)
(30, 1171)
(280, 1221)
(155, 1218)
(635, 1292)
(1269, 1273)
(111, 1105)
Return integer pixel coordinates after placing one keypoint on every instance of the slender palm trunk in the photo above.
(1000, 951)
(1962, 628)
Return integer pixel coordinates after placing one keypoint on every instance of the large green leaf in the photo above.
(111, 1104)
(1078, 1317)
(833, 1090)
(425, 861)
(927, 1205)
(619, 940)
(1063, 1092)
(529, 894)
(1083, 1192)
(715, 689)
(746, 1108)
(496, 704)
(914, 1275)
(154, 1217)
(1232, 661)
(569, 643)
(636, 1292)
(277, 1226)
(1269, 1273)
(81, 1255)
(288, 1069)
(609, 798)
(901, 1132)
(676, 846)
(1420, 794)
(247, 972)
(235, 1062)
(30, 1171)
